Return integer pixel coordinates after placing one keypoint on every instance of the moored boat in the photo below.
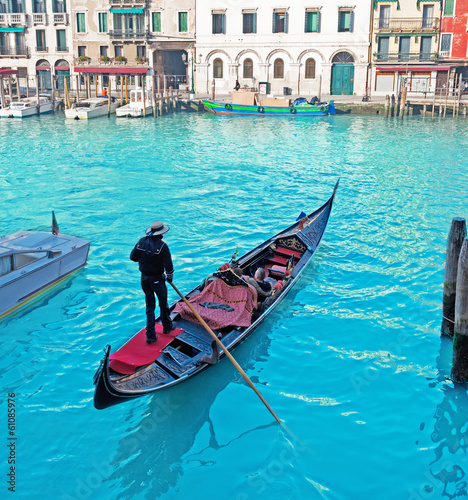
(28, 106)
(32, 262)
(248, 103)
(92, 108)
(226, 303)
(139, 105)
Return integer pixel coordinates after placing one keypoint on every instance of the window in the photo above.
(345, 21)
(59, 6)
(141, 51)
(80, 22)
(218, 23)
(248, 68)
(39, 7)
(118, 51)
(445, 44)
(6, 265)
(278, 68)
(81, 51)
(218, 68)
(249, 22)
(157, 22)
(61, 41)
(428, 14)
(310, 68)
(3, 7)
(404, 48)
(102, 22)
(448, 7)
(312, 21)
(384, 17)
(40, 41)
(280, 21)
(383, 48)
(104, 51)
(183, 22)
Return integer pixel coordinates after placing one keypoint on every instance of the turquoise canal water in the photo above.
(352, 360)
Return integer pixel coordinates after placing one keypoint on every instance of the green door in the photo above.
(342, 79)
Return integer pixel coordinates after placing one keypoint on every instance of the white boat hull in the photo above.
(133, 112)
(23, 113)
(87, 114)
(25, 284)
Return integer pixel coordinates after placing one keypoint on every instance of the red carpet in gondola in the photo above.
(136, 352)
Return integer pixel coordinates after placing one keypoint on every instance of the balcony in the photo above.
(60, 18)
(128, 3)
(39, 19)
(14, 52)
(105, 62)
(128, 34)
(61, 49)
(413, 25)
(13, 19)
(42, 49)
(405, 57)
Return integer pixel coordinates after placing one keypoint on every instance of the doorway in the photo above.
(342, 80)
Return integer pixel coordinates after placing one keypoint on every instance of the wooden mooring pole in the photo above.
(387, 105)
(455, 240)
(460, 338)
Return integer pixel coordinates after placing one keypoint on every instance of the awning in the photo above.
(8, 71)
(42, 68)
(404, 69)
(126, 11)
(106, 71)
(15, 29)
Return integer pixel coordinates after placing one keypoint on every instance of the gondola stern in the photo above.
(102, 397)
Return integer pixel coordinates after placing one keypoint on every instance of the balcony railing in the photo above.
(61, 49)
(128, 34)
(10, 19)
(429, 24)
(128, 2)
(39, 19)
(60, 18)
(104, 61)
(42, 49)
(14, 52)
(405, 57)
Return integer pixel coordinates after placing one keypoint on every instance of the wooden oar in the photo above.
(228, 354)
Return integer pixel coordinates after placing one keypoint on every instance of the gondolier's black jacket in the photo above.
(153, 257)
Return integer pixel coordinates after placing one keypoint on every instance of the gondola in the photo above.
(138, 369)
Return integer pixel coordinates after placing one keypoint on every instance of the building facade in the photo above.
(306, 47)
(405, 41)
(35, 39)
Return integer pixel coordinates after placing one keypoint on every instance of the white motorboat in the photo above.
(92, 108)
(28, 106)
(32, 262)
(139, 105)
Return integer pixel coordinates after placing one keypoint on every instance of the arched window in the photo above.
(343, 57)
(218, 68)
(310, 68)
(278, 68)
(248, 68)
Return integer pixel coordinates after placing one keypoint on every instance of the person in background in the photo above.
(154, 258)
(237, 87)
(104, 92)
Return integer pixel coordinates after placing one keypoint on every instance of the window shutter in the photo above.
(351, 21)
(274, 22)
(314, 26)
(319, 21)
(213, 23)
(255, 22)
(223, 21)
(157, 22)
(286, 16)
(306, 26)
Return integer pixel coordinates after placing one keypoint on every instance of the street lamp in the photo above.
(192, 91)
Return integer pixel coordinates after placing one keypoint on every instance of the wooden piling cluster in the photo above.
(455, 298)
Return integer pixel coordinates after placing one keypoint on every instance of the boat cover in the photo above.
(220, 305)
(136, 352)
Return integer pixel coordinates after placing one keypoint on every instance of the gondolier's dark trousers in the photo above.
(153, 285)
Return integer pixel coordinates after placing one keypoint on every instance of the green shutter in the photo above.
(157, 22)
(347, 21)
(80, 22)
(448, 8)
(103, 22)
(311, 22)
(61, 39)
(183, 22)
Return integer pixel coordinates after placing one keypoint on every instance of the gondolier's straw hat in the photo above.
(157, 227)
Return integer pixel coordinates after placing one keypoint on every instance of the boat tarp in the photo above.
(245, 98)
(221, 305)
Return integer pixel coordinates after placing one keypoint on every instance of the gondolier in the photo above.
(154, 258)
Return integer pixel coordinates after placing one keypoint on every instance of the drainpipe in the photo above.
(369, 51)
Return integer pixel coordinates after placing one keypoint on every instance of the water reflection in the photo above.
(149, 459)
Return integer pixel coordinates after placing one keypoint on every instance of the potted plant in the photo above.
(105, 59)
(84, 59)
(140, 59)
(120, 59)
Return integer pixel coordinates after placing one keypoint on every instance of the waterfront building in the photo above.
(453, 48)
(35, 41)
(305, 47)
(405, 41)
